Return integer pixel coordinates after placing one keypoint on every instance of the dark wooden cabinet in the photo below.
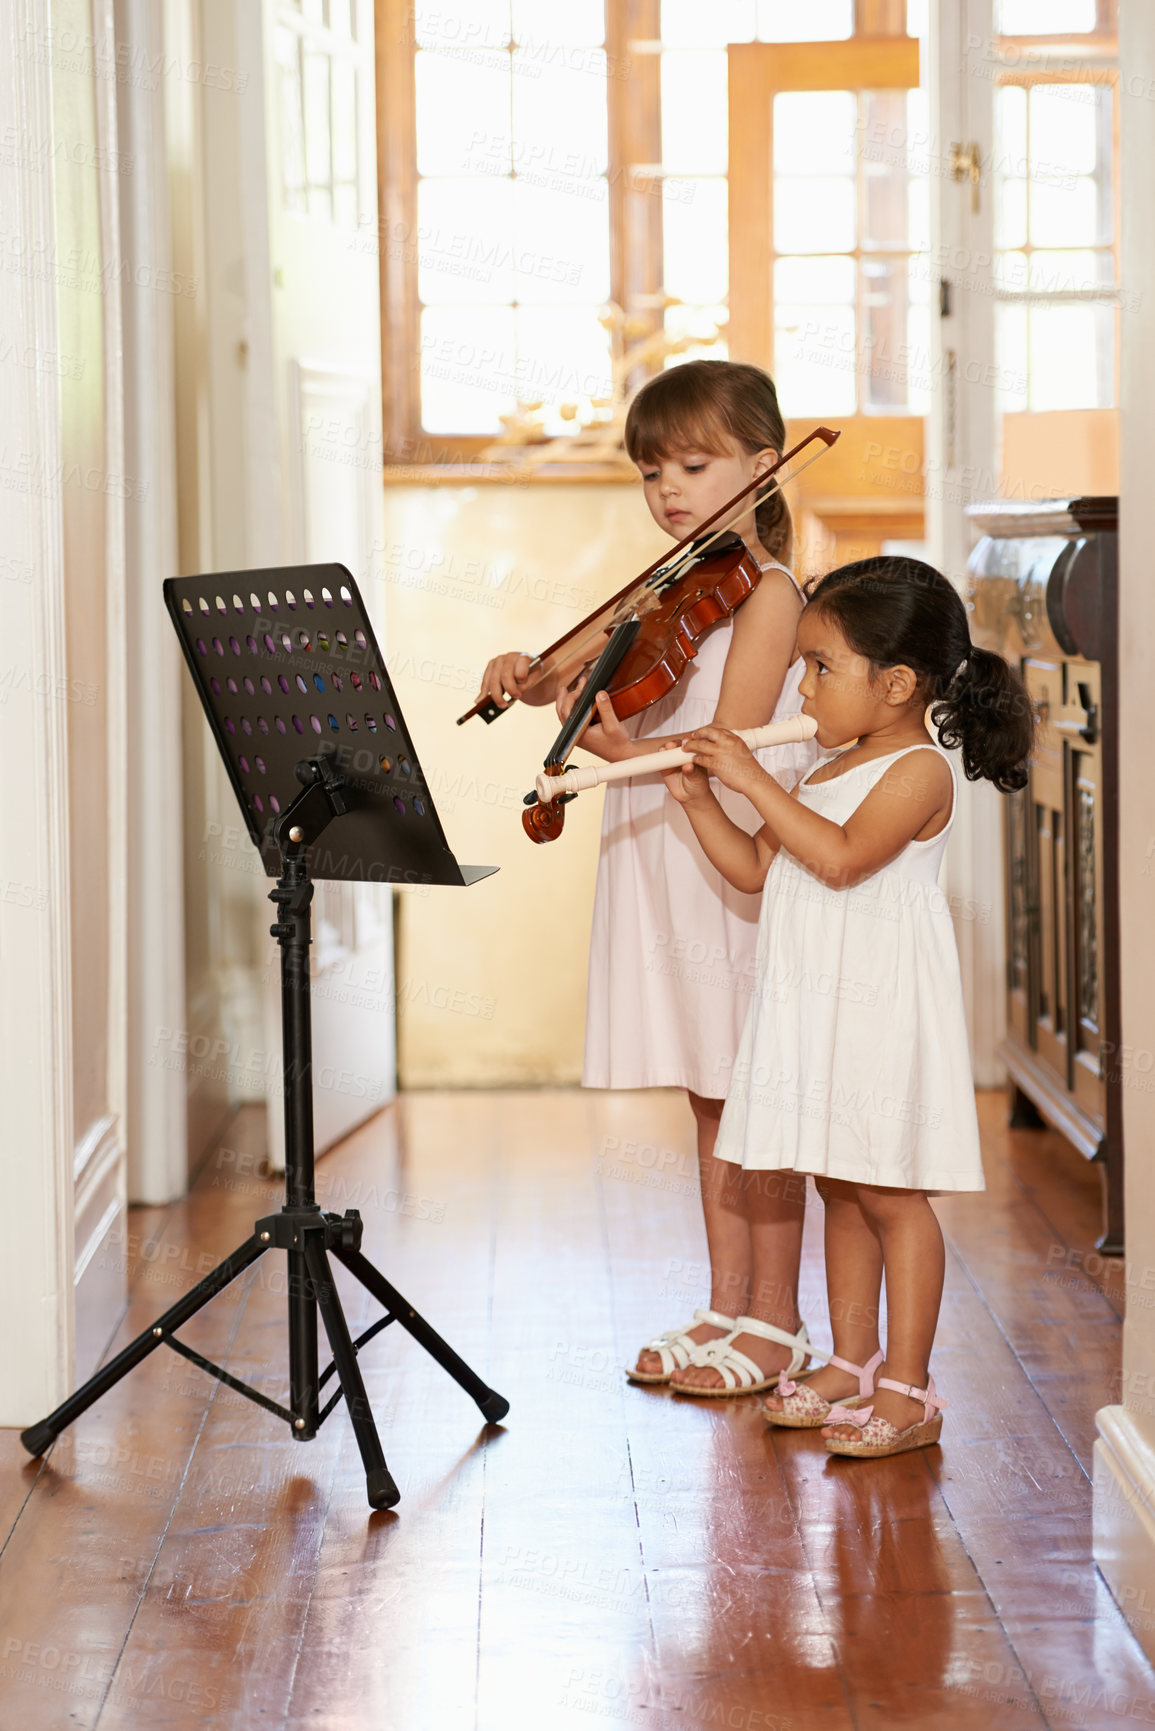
(1043, 584)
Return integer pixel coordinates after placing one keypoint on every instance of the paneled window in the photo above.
(851, 331)
(318, 56)
(512, 210)
(541, 157)
(1056, 205)
(695, 158)
(1055, 233)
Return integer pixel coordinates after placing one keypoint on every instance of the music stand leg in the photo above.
(493, 1406)
(38, 1436)
(379, 1485)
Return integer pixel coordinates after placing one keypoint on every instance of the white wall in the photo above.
(1125, 1452)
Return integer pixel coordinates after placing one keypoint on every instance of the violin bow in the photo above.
(667, 567)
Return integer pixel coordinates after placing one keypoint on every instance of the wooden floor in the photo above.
(611, 1554)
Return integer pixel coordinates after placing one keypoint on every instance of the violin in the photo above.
(638, 645)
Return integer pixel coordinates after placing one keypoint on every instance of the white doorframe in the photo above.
(36, 1225)
(155, 1096)
(961, 467)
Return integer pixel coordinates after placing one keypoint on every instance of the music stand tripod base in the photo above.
(309, 797)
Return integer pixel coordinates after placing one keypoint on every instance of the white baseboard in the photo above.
(1124, 1544)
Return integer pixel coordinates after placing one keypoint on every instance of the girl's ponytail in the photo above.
(987, 713)
(775, 527)
(898, 611)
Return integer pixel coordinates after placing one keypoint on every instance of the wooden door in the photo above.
(827, 286)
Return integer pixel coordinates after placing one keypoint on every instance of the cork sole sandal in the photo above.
(806, 1409)
(675, 1348)
(879, 1437)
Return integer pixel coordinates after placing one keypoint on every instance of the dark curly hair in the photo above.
(902, 612)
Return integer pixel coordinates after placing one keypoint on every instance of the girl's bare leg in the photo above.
(774, 1205)
(727, 1229)
(915, 1262)
(853, 1281)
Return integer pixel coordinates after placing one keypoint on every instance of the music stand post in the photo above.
(328, 798)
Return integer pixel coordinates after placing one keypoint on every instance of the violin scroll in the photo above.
(543, 820)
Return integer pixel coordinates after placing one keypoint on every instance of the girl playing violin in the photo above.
(672, 945)
(853, 1063)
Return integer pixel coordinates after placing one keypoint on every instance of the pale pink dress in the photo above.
(672, 944)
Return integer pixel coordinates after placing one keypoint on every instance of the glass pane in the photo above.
(1071, 357)
(1046, 17)
(887, 354)
(292, 126)
(465, 241)
(815, 132)
(562, 240)
(1011, 271)
(462, 115)
(815, 281)
(1010, 213)
(1063, 130)
(344, 120)
(483, 24)
(816, 21)
(1059, 272)
(887, 134)
(695, 122)
(1010, 358)
(468, 375)
(549, 22)
(690, 24)
(1011, 131)
(694, 241)
(814, 215)
(1064, 212)
(563, 359)
(559, 116)
(814, 359)
(315, 76)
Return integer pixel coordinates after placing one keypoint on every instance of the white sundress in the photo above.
(672, 944)
(854, 1061)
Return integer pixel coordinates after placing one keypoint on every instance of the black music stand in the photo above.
(302, 709)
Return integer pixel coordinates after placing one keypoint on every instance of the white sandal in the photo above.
(675, 1348)
(740, 1374)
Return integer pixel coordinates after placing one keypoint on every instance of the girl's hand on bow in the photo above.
(723, 755)
(504, 678)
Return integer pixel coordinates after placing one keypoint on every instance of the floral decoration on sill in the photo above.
(638, 352)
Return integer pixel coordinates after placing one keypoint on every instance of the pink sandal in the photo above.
(879, 1437)
(804, 1409)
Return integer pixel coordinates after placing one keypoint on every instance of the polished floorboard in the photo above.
(611, 1554)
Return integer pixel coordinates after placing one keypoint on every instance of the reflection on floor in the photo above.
(612, 1554)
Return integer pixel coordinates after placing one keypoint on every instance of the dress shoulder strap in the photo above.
(777, 565)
